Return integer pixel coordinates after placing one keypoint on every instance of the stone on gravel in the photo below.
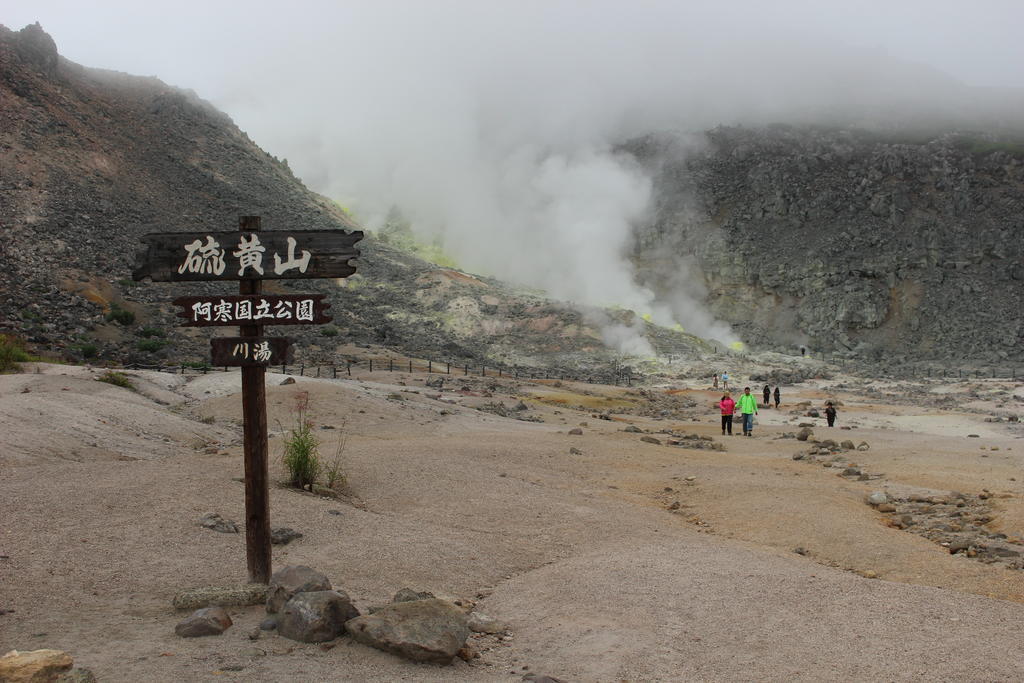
(804, 434)
(226, 596)
(34, 665)
(886, 507)
(847, 445)
(287, 380)
(650, 439)
(878, 498)
(76, 676)
(409, 595)
(293, 579)
(317, 616)
(283, 535)
(863, 446)
(208, 621)
(575, 451)
(423, 630)
(268, 624)
(217, 523)
(576, 431)
(633, 429)
(481, 623)
(541, 678)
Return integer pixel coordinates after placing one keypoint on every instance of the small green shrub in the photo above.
(88, 350)
(328, 331)
(12, 352)
(118, 379)
(150, 332)
(120, 315)
(150, 345)
(301, 457)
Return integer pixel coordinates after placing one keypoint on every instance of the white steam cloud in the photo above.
(494, 125)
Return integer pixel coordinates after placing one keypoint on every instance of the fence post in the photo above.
(391, 364)
(371, 365)
(483, 371)
(430, 366)
(410, 366)
(302, 371)
(334, 368)
(205, 369)
(448, 369)
(348, 367)
(183, 368)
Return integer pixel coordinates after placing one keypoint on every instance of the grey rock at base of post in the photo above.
(422, 631)
(481, 623)
(217, 523)
(283, 535)
(317, 616)
(409, 595)
(208, 621)
(293, 579)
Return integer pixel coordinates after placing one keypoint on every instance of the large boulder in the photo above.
(208, 621)
(35, 666)
(421, 630)
(293, 579)
(316, 617)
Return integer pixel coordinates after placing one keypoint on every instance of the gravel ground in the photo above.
(578, 553)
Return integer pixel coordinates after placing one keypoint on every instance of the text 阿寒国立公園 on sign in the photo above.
(283, 254)
(253, 309)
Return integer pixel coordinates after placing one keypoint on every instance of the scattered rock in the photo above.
(316, 616)
(863, 446)
(34, 666)
(422, 631)
(268, 624)
(576, 431)
(886, 507)
(541, 678)
(800, 550)
(633, 429)
(869, 574)
(208, 621)
(76, 676)
(847, 445)
(287, 380)
(878, 498)
(575, 451)
(804, 434)
(227, 596)
(973, 436)
(293, 579)
(650, 439)
(674, 506)
(283, 535)
(409, 595)
(481, 623)
(217, 523)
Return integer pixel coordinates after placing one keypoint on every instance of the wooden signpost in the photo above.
(251, 256)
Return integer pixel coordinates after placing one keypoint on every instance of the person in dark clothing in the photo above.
(830, 414)
(778, 397)
(767, 396)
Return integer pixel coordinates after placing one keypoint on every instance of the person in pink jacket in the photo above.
(728, 406)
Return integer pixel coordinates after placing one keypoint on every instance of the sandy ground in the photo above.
(102, 488)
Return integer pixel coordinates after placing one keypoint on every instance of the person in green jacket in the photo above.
(748, 408)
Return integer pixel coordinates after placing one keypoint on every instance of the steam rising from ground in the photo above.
(493, 126)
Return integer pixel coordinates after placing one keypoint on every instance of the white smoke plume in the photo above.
(493, 125)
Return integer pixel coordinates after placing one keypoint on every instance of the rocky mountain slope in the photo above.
(904, 244)
(95, 159)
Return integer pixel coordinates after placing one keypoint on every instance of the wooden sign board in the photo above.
(284, 254)
(247, 351)
(253, 309)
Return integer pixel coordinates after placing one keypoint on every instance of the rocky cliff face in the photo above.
(846, 240)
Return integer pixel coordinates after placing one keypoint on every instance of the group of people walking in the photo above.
(747, 407)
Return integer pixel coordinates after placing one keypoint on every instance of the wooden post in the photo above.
(430, 366)
(254, 418)
(410, 366)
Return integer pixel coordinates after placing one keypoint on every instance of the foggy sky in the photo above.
(492, 124)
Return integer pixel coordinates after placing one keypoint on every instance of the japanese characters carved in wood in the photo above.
(254, 309)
